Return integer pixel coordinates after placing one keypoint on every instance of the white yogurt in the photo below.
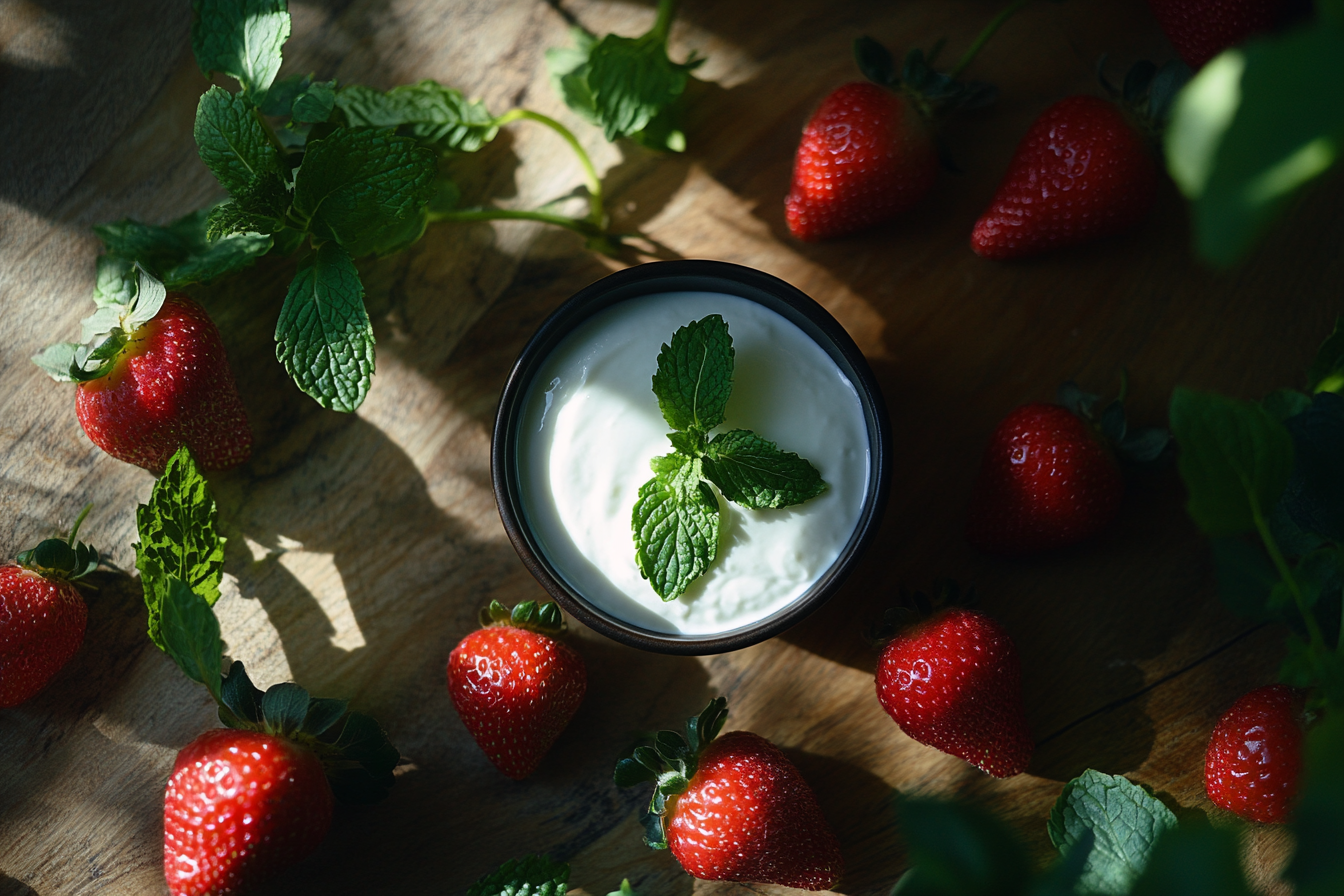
(590, 425)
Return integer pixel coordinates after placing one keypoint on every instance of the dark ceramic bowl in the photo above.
(700, 276)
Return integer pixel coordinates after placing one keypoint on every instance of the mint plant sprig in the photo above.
(676, 516)
(180, 557)
(340, 172)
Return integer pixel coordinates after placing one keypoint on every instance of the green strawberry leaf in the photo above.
(528, 876)
(178, 539)
(1125, 821)
(240, 38)
(676, 525)
(232, 142)
(695, 375)
(1235, 460)
(324, 337)
(116, 281)
(240, 700)
(1193, 859)
(356, 183)
(955, 849)
(753, 472)
(190, 634)
(1327, 370)
(364, 759)
(439, 117)
(284, 707)
(323, 712)
(56, 361)
(315, 102)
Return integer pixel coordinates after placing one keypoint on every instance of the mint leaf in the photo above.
(1125, 820)
(179, 254)
(178, 538)
(1235, 459)
(316, 102)
(529, 876)
(56, 360)
(631, 81)
(130, 241)
(229, 218)
(568, 68)
(1195, 859)
(1327, 370)
(278, 100)
(354, 184)
(240, 38)
(190, 634)
(753, 472)
(1314, 496)
(438, 117)
(324, 337)
(232, 142)
(676, 525)
(1317, 867)
(1246, 577)
(1284, 403)
(695, 375)
(956, 848)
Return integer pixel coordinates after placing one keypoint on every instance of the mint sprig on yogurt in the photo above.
(677, 514)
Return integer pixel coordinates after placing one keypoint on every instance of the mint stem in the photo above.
(1286, 573)
(667, 9)
(270, 132)
(580, 226)
(1008, 12)
(595, 213)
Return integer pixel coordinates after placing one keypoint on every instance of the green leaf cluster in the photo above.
(676, 516)
(1252, 128)
(535, 875)
(628, 86)
(1123, 821)
(180, 556)
(1266, 482)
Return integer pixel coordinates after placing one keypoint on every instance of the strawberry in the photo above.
(865, 158)
(240, 805)
(1254, 757)
(1201, 29)
(515, 685)
(953, 681)
(867, 154)
(42, 615)
(733, 808)
(154, 379)
(1049, 479)
(1084, 170)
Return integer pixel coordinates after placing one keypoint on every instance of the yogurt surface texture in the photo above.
(590, 424)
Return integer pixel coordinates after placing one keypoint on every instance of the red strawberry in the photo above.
(240, 806)
(515, 685)
(734, 808)
(168, 386)
(42, 615)
(953, 681)
(1081, 173)
(1201, 29)
(865, 158)
(1255, 754)
(1050, 479)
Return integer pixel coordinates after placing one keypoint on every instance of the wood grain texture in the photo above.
(361, 546)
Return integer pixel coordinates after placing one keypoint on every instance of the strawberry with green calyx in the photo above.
(152, 376)
(1085, 170)
(868, 153)
(516, 685)
(247, 801)
(1050, 477)
(953, 680)
(1254, 758)
(42, 615)
(732, 807)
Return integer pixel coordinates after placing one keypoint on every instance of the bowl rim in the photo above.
(690, 275)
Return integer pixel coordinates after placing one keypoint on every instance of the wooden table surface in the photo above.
(362, 545)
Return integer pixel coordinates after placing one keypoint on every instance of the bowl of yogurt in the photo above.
(578, 424)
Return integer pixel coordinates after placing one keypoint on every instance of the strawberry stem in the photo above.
(1007, 13)
(74, 530)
